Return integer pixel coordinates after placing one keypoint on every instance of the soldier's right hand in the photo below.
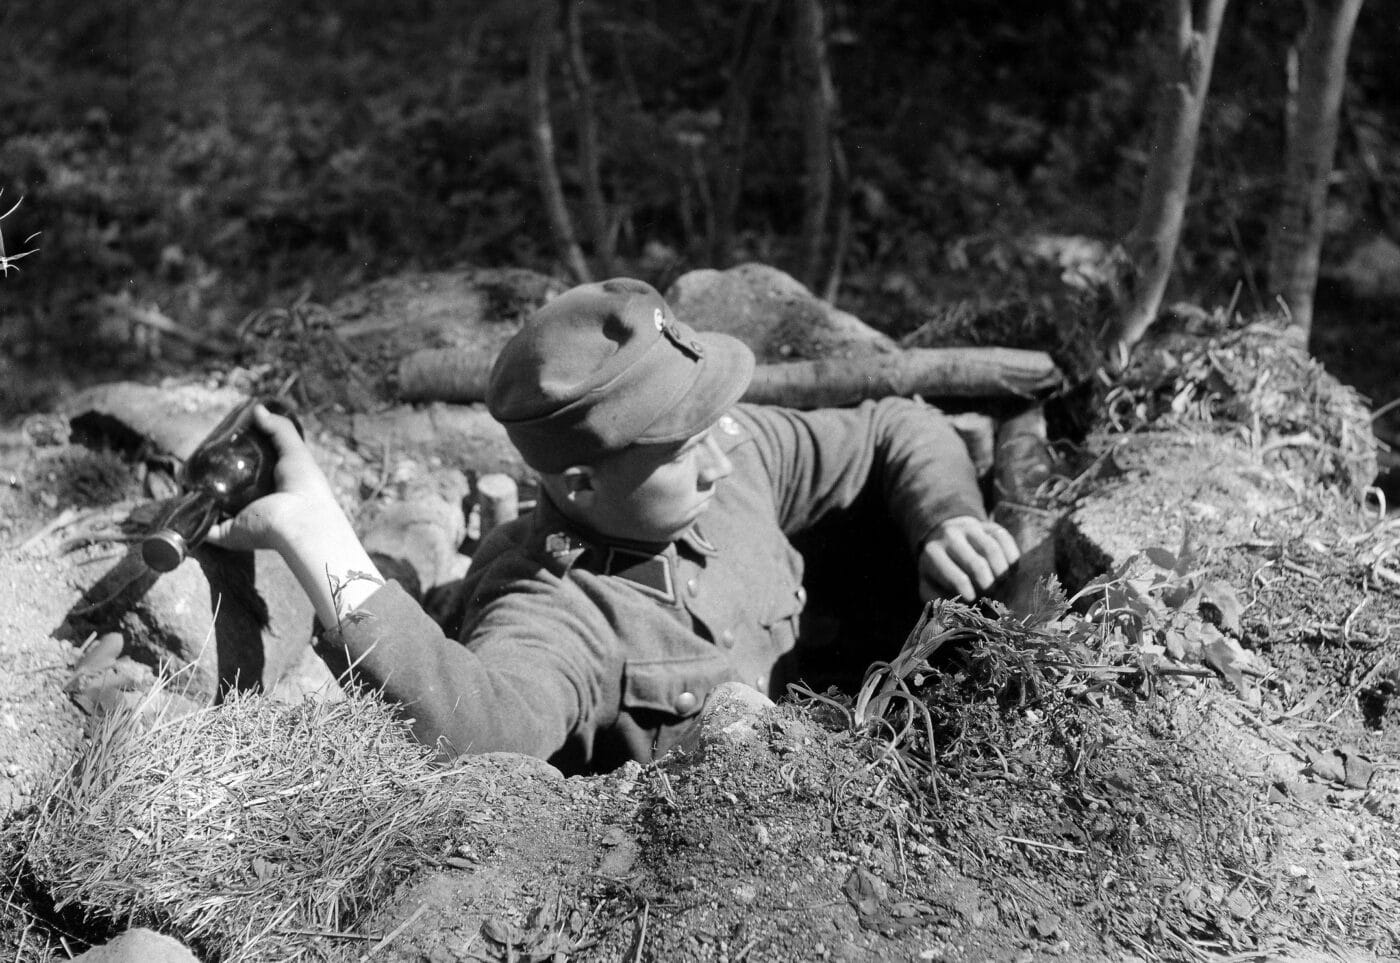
(303, 501)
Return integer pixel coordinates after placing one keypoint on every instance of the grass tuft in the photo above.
(234, 827)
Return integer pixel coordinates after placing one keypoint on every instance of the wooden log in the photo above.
(1024, 461)
(930, 372)
(454, 375)
(498, 500)
(461, 376)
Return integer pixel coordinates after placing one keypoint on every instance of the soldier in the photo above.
(657, 563)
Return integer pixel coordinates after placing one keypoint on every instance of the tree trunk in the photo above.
(1194, 28)
(542, 139)
(842, 174)
(1296, 241)
(818, 99)
(752, 45)
(581, 83)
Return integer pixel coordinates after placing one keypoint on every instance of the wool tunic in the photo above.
(589, 652)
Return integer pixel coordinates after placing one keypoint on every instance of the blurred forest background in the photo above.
(207, 160)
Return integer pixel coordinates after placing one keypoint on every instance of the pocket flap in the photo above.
(675, 686)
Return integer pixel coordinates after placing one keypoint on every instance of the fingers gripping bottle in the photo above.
(231, 469)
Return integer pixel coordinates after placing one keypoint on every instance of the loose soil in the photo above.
(1078, 806)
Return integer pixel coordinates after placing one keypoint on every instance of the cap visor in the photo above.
(725, 371)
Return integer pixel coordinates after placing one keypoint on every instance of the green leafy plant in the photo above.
(1156, 613)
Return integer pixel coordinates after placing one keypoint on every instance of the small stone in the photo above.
(139, 946)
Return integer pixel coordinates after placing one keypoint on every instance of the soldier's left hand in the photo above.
(964, 557)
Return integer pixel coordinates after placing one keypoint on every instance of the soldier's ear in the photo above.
(578, 484)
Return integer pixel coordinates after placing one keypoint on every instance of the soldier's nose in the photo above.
(716, 464)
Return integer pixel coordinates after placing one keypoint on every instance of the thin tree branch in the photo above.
(1192, 32)
(542, 139)
(752, 45)
(581, 88)
(818, 98)
(1295, 246)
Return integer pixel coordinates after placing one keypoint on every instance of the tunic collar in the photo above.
(649, 566)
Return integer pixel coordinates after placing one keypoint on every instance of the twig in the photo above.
(1386, 408)
(1356, 689)
(1269, 731)
(153, 318)
(1038, 845)
(393, 934)
(642, 933)
(1301, 440)
(1351, 618)
(64, 519)
(333, 934)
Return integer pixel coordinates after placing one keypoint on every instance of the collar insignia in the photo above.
(560, 543)
(649, 573)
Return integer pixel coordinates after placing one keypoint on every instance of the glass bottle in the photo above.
(231, 469)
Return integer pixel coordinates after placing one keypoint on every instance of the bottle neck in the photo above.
(180, 528)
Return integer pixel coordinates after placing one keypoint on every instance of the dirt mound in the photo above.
(1195, 760)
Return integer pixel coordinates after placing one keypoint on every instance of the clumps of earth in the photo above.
(1181, 744)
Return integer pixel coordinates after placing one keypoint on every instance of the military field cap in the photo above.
(605, 366)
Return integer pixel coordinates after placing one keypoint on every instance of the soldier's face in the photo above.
(654, 493)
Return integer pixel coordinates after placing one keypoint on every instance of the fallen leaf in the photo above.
(1046, 925)
(864, 891)
(499, 931)
(1358, 770)
(1224, 655)
(1328, 764)
(1220, 604)
(105, 651)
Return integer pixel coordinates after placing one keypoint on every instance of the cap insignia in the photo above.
(672, 333)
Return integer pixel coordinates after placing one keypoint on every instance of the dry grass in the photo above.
(239, 829)
(1064, 788)
(1257, 380)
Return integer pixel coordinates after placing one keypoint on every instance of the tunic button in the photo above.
(686, 703)
(761, 683)
(726, 639)
(801, 595)
(693, 587)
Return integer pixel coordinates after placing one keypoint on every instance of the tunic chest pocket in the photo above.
(677, 687)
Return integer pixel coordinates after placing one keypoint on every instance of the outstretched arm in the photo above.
(523, 693)
(303, 522)
(821, 461)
